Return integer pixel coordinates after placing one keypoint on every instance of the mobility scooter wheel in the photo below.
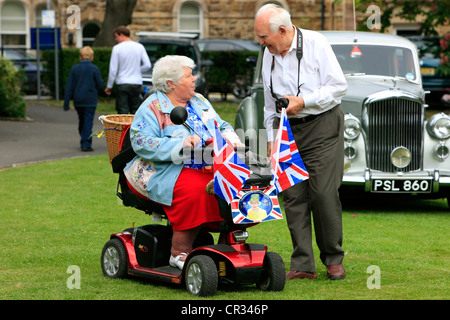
(114, 259)
(201, 276)
(273, 277)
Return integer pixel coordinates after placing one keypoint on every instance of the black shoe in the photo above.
(87, 149)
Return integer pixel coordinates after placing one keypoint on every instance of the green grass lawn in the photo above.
(60, 214)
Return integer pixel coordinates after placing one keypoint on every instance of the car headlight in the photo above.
(352, 127)
(442, 151)
(438, 126)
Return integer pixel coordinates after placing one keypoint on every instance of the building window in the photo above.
(190, 18)
(13, 25)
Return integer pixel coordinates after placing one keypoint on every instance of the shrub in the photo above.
(444, 66)
(11, 102)
(221, 76)
(228, 65)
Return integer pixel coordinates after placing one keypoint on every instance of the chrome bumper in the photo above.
(416, 182)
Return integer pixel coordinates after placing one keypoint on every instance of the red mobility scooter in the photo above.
(145, 251)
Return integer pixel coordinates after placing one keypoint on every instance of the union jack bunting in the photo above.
(287, 165)
(267, 205)
(230, 173)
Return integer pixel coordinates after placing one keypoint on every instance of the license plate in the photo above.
(427, 71)
(405, 186)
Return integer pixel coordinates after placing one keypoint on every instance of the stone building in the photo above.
(81, 20)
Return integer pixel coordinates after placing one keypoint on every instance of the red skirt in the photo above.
(191, 205)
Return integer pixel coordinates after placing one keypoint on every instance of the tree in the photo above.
(434, 12)
(118, 12)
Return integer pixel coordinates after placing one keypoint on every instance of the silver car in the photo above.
(390, 146)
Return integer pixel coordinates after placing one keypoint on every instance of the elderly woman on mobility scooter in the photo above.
(161, 171)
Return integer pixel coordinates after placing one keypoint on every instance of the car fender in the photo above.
(249, 128)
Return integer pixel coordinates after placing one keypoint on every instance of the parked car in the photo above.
(240, 83)
(227, 45)
(159, 44)
(390, 146)
(27, 63)
(429, 51)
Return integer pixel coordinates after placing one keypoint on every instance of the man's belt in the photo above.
(296, 121)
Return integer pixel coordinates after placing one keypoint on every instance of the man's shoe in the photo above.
(87, 149)
(290, 275)
(336, 272)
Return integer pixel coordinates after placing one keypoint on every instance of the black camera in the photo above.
(281, 103)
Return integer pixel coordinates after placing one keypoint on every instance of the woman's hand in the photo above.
(191, 141)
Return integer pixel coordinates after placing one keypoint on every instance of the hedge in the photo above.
(228, 67)
(67, 59)
(221, 76)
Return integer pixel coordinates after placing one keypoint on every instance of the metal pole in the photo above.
(38, 62)
(56, 55)
(56, 64)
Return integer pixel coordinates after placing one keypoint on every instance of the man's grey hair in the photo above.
(169, 68)
(280, 16)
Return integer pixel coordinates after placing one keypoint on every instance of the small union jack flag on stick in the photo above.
(287, 165)
(230, 172)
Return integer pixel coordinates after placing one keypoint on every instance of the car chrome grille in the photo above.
(393, 123)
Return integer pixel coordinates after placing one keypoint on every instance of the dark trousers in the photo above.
(321, 146)
(127, 98)
(85, 124)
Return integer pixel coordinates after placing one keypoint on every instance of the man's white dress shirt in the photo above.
(322, 81)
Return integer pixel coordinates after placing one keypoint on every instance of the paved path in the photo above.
(49, 133)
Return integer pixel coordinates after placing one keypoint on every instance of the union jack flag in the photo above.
(230, 172)
(287, 165)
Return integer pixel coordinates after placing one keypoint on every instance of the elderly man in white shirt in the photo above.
(128, 60)
(300, 65)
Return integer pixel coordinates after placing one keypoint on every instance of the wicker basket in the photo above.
(113, 126)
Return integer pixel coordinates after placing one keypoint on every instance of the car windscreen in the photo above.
(159, 50)
(390, 61)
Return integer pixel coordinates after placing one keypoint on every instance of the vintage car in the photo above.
(390, 146)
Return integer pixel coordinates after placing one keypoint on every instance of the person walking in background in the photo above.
(82, 86)
(299, 65)
(128, 60)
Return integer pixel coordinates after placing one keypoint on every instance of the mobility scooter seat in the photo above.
(128, 197)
